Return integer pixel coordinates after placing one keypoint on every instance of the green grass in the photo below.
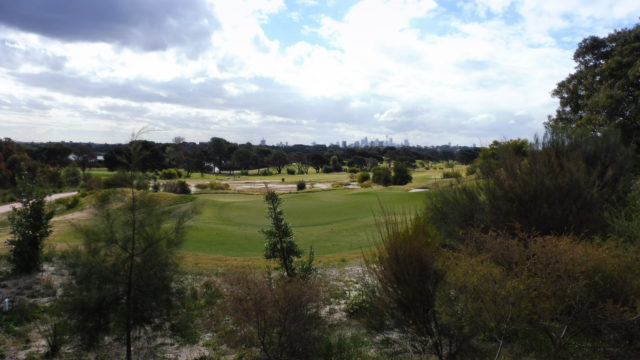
(333, 222)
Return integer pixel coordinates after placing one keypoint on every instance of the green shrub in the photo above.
(363, 177)
(120, 179)
(176, 187)
(170, 174)
(266, 172)
(301, 185)
(72, 176)
(215, 185)
(93, 183)
(381, 175)
(453, 174)
(291, 171)
(471, 169)
(202, 186)
(352, 170)
(401, 174)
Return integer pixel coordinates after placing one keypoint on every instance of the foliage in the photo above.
(279, 160)
(72, 175)
(301, 185)
(94, 183)
(30, 226)
(176, 187)
(280, 244)
(565, 184)
(124, 273)
(453, 174)
(406, 266)
(170, 174)
(282, 317)
(577, 299)
(401, 174)
(604, 91)
(291, 171)
(363, 177)
(381, 175)
(456, 210)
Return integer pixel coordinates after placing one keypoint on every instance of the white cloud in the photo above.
(378, 70)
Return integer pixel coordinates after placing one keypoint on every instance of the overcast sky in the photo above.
(432, 72)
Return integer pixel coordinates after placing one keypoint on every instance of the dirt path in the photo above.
(8, 207)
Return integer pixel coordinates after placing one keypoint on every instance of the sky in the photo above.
(296, 71)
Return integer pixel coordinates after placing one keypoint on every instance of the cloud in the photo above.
(149, 25)
(408, 69)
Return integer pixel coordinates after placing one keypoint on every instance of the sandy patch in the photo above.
(8, 207)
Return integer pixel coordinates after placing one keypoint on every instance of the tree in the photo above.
(30, 226)
(243, 158)
(280, 244)
(219, 151)
(317, 161)
(279, 160)
(401, 174)
(301, 162)
(124, 275)
(604, 91)
(381, 175)
(85, 156)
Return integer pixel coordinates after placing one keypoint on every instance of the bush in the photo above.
(363, 177)
(120, 179)
(453, 174)
(401, 174)
(352, 170)
(565, 185)
(291, 171)
(170, 174)
(72, 176)
(381, 175)
(214, 185)
(301, 185)
(281, 317)
(327, 169)
(176, 187)
(266, 172)
(93, 183)
(407, 269)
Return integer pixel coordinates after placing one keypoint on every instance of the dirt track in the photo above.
(8, 207)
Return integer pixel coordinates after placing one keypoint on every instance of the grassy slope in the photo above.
(333, 222)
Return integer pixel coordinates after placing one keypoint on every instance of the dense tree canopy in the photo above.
(604, 91)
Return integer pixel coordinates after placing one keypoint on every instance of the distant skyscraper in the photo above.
(406, 142)
(344, 144)
(263, 142)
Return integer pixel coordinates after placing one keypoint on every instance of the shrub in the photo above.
(118, 180)
(453, 174)
(407, 269)
(352, 170)
(565, 184)
(381, 175)
(291, 171)
(471, 169)
(401, 174)
(266, 172)
(72, 176)
(363, 177)
(93, 183)
(282, 317)
(176, 187)
(170, 174)
(214, 185)
(327, 169)
(301, 185)
(202, 186)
